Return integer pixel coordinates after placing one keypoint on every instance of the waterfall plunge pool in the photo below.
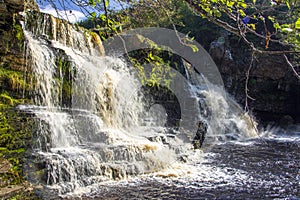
(261, 168)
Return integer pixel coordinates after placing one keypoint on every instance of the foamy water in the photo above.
(256, 169)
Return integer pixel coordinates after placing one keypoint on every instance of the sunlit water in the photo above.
(261, 168)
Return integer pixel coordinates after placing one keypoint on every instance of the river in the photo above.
(260, 168)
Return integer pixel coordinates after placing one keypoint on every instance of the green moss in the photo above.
(25, 195)
(64, 76)
(18, 32)
(5, 40)
(4, 98)
(6, 47)
(14, 81)
(67, 89)
(14, 140)
(15, 135)
(15, 127)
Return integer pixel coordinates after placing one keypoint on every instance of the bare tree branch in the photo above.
(242, 29)
(247, 82)
(105, 11)
(292, 67)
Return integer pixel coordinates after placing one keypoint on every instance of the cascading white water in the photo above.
(103, 133)
(223, 116)
(42, 57)
(226, 117)
(89, 141)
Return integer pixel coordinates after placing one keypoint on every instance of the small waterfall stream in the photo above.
(87, 130)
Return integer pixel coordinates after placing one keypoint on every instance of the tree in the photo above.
(275, 22)
(279, 20)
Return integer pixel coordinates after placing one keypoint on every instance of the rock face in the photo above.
(271, 83)
(11, 34)
(70, 35)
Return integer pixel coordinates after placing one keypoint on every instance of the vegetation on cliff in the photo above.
(15, 89)
(15, 131)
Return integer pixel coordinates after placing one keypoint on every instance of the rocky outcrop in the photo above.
(9, 21)
(271, 83)
(12, 46)
(54, 29)
(44, 25)
(9, 7)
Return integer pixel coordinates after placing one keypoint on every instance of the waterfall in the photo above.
(91, 114)
(84, 138)
(224, 118)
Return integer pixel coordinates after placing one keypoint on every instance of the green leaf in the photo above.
(103, 17)
(110, 22)
(252, 26)
(298, 37)
(194, 48)
(107, 3)
(230, 3)
(298, 24)
(151, 56)
(242, 4)
(285, 26)
(288, 4)
(93, 15)
(217, 13)
(271, 18)
(242, 13)
(276, 25)
(92, 3)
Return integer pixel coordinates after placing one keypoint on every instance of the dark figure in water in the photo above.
(200, 135)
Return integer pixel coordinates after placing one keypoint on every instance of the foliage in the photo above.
(143, 14)
(106, 25)
(136, 14)
(274, 21)
(152, 69)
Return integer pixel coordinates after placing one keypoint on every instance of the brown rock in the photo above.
(4, 166)
(16, 5)
(9, 191)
